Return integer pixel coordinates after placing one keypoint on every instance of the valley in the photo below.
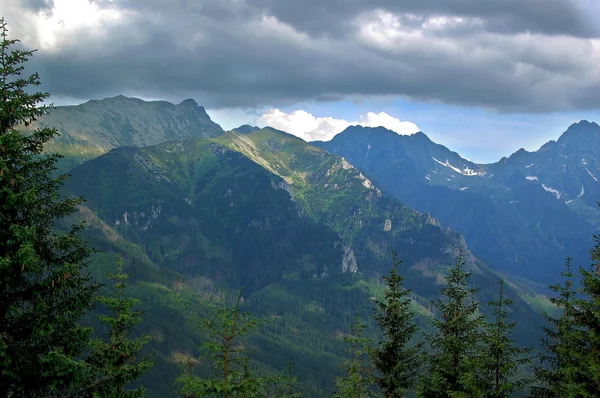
(308, 234)
(273, 199)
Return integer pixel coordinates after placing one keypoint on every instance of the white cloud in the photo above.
(310, 128)
(53, 29)
(371, 119)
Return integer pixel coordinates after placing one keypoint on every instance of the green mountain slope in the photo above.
(93, 128)
(337, 194)
(303, 231)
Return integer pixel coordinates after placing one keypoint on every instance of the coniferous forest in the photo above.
(79, 309)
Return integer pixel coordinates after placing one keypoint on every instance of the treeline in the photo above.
(469, 355)
(45, 292)
(465, 355)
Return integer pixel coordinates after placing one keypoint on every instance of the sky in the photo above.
(483, 77)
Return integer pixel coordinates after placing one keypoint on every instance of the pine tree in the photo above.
(288, 388)
(359, 381)
(587, 318)
(232, 378)
(397, 363)
(115, 359)
(558, 371)
(502, 359)
(456, 344)
(44, 291)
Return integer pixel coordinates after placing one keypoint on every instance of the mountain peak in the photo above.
(97, 126)
(246, 129)
(421, 136)
(189, 103)
(584, 123)
(582, 130)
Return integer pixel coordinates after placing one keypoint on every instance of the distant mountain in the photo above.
(305, 232)
(95, 127)
(522, 215)
(568, 169)
(246, 129)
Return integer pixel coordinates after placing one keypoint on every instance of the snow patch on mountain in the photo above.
(554, 191)
(590, 173)
(447, 164)
(466, 171)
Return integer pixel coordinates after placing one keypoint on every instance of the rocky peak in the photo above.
(189, 103)
(581, 131)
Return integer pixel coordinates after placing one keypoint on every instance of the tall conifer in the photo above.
(232, 377)
(397, 362)
(558, 374)
(502, 359)
(114, 358)
(44, 291)
(359, 381)
(456, 343)
(587, 318)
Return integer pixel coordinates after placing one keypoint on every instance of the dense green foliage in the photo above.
(114, 358)
(558, 370)
(587, 318)
(397, 363)
(502, 360)
(289, 384)
(44, 291)
(571, 361)
(454, 364)
(359, 380)
(227, 327)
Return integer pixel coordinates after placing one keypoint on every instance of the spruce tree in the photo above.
(502, 359)
(397, 362)
(232, 376)
(44, 291)
(587, 318)
(558, 371)
(114, 359)
(359, 381)
(289, 384)
(456, 343)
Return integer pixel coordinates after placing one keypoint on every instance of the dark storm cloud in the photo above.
(507, 16)
(228, 53)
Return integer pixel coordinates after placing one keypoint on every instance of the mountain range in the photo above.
(522, 215)
(97, 126)
(306, 228)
